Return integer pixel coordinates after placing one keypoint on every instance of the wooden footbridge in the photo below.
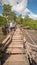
(17, 49)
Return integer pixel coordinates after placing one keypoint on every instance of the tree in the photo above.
(6, 10)
(3, 21)
(12, 16)
(19, 19)
(8, 13)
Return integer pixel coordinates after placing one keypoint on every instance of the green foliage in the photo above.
(33, 24)
(25, 21)
(12, 16)
(6, 9)
(19, 19)
(0, 31)
(8, 13)
(29, 22)
(3, 21)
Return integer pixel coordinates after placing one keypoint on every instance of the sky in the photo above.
(32, 5)
(0, 9)
(24, 7)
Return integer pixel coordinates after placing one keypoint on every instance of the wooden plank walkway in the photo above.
(18, 56)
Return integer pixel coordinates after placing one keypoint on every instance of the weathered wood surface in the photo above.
(17, 51)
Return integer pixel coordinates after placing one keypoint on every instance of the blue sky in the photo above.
(0, 9)
(31, 5)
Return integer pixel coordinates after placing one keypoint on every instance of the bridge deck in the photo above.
(17, 52)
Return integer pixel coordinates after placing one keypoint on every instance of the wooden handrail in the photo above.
(31, 45)
(31, 50)
(6, 41)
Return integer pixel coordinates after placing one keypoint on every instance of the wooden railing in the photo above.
(31, 50)
(6, 42)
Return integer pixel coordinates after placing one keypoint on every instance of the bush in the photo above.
(3, 21)
(29, 22)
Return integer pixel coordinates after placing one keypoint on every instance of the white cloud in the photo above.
(33, 16)
(0, 14)
(17, 7)
(11, 2)
(21, 8)
(4, 2)
(29, 13)
(26, 11)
